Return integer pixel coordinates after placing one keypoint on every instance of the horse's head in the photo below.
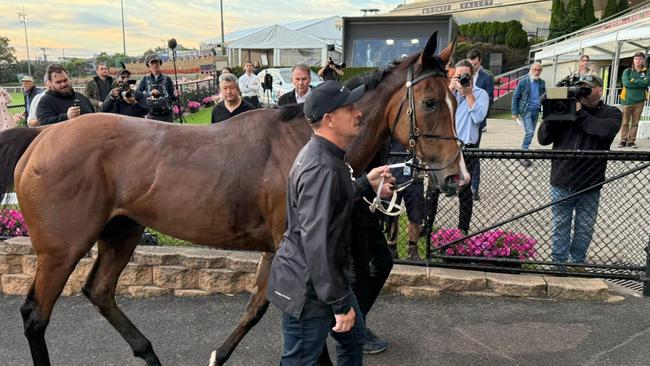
(421, 116)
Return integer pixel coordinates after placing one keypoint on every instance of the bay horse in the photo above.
(103, 178)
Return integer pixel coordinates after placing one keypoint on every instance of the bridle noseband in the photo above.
(414, 132)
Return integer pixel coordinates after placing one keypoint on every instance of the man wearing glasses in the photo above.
(526, 104)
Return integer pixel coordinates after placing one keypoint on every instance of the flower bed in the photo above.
(490, 244)
(193, 106)
(12, 223)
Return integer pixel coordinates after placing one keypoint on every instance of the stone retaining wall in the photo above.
(155, 271)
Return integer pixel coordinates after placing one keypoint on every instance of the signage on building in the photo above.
(465, 5)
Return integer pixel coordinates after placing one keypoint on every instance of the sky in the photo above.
(83, 28)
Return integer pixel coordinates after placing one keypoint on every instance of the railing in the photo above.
(197, 90)
(507, 82)
(517, 200)
(539, 46)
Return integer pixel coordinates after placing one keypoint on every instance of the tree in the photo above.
(610, 9)
(574, 16)
(558, 20)
(516, 38)
(7, 61)
(623, 5)
(588, 13)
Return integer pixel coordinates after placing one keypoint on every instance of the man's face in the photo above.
(592, 99)
(27, 85)
(154, 67)
(230, 91)
(301, 79)
(346, 121)
(638, 62)
(536, 71)
(60, 83)
(476, 62)
(248, 67)
(102, 71)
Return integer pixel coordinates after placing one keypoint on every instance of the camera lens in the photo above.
(559, 107)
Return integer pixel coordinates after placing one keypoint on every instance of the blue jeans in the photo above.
(564, 247)
(304, 339)
(529, 122)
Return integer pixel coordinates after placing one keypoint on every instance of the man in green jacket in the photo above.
(633, 96)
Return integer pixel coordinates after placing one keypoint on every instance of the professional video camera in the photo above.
(159, 104)
(559, 103)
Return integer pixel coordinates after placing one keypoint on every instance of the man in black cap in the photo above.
(159, 91)
(310, 278)
(594, 128)
(124, 100)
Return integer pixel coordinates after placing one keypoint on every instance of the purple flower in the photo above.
(495, 243)
(12, 223)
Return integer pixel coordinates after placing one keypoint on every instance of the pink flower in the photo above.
(490, 244)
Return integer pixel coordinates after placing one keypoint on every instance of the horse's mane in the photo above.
(291, 111)
(370, 80)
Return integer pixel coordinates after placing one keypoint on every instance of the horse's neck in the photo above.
(373, 105)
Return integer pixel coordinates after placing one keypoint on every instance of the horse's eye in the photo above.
(429, 104)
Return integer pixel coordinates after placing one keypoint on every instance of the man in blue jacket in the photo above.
(526, 104)
(483, 80)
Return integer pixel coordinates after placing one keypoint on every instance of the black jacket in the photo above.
(119, 106)
(53, 107)
(593, 129)
(310, 272)
(288, 98)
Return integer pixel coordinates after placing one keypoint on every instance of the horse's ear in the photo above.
(427, 56)
(446, 54)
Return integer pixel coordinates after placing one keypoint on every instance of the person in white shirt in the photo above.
(249, 85)
(31, 119)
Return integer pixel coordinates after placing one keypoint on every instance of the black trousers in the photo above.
(372, 263)
(466, 202)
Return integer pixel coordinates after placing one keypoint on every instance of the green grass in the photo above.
(18, 99)
(202, 117)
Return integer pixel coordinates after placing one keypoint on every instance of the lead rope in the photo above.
(392, 208)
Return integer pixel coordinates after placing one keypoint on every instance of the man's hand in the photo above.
(374, 177)
(73, 112)
(344, 322)
(578, 106)
(115, 92)
(154, 92)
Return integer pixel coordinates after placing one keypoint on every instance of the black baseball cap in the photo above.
(329, 96)
(125, 71)
(591, 80)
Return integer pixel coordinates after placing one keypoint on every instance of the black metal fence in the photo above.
(512, 222)
(197, 91)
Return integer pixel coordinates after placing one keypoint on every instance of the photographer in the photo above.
(331, 71)
(123, 100)
(593, 128)
(472, 107)
(159, 91)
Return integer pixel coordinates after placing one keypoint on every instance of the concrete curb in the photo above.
(191, 272)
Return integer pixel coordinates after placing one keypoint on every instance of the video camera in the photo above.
(559, 103)
(126, 91)
(159, 104)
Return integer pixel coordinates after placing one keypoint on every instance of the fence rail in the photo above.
(517, 200)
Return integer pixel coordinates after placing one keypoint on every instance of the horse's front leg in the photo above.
(254, 312)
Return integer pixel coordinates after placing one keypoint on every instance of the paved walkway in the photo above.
(451, 330)
(507, 134)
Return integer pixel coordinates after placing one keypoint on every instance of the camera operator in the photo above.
(124, 100)
(331, 71)
(472, 107)
(159, 91)
(593, 128)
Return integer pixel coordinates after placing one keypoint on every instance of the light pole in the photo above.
(22, 18)
(223, 46)
(123, 34)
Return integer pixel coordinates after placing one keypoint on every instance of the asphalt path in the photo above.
(450, 330)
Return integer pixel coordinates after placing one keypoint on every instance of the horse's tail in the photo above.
(13, 143)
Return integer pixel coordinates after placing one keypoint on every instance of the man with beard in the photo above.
(594, 128)
(526, 104)
(58, 103)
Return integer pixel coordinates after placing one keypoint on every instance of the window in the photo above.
(380, 52)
